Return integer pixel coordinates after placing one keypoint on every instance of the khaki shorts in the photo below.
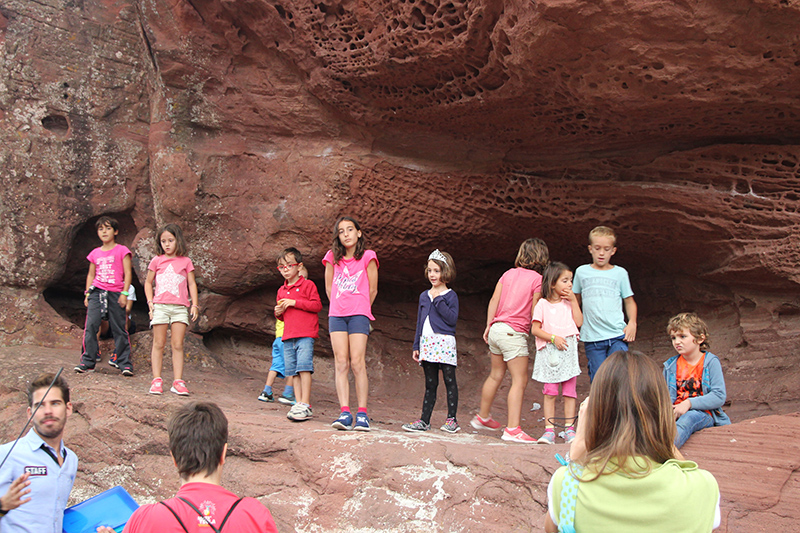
(169, 313)
(508, 342)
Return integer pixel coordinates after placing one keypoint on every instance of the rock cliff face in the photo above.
(467, 126)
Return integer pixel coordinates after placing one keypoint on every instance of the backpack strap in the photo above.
(199, 513)
(569, 498)
(175, 515)
(229, 513)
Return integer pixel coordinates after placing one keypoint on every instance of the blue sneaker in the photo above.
(362, 422)
(345, 421)
(288, 400)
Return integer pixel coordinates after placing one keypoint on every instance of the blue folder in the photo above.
(111, 508)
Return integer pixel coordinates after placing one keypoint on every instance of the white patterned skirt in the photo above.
(556, 366)
(438, 348)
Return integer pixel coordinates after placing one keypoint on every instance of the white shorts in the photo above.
(169, 313)
(508, 342)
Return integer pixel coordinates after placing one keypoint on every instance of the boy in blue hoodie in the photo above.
(694, 378)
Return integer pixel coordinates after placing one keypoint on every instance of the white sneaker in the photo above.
(299, 412)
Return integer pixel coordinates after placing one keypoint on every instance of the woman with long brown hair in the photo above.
(626, 474)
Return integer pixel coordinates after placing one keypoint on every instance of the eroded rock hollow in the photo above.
(467, 126)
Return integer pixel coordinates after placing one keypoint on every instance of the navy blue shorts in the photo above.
(349, 324)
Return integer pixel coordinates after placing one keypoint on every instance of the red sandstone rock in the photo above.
(315, 478)
(462, 126)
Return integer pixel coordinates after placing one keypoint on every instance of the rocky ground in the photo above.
(315, 479)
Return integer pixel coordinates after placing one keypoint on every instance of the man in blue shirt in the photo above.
(37, 477)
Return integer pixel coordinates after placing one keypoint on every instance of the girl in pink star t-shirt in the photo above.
(351, 281)
(173, 274)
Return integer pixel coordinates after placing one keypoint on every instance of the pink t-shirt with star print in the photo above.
(171, 276)
(350, 290)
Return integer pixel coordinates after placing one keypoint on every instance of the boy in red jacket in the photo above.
(298, 305)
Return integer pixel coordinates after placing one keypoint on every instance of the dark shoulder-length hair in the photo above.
(181, 249)
(337, 246)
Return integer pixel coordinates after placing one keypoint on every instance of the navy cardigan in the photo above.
(443, 312)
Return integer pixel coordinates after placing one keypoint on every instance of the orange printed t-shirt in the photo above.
(689, 379)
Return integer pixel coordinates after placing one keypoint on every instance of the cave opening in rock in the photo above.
(66, 294)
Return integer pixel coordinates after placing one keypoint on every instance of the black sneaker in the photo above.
(113, 360)
(82, 368)
(127, 372)
(264, 397)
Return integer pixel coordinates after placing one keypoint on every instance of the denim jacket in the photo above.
(714, 393)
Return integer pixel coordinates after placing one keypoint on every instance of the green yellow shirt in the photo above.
(675, 496)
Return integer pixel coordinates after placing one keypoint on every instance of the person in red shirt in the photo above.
(297, 305)
(198, 442)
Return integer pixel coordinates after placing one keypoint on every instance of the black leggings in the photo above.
(432, 383)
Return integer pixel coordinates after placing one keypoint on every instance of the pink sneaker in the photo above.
(179, 388)
(517, 435)
(155, 386)
(480, 423)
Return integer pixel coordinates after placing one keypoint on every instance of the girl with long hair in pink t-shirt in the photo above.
(351, 281)
(508, 324)
(173, 274)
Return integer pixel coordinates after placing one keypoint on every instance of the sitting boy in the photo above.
(694, 378)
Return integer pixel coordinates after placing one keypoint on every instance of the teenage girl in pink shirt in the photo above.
(173, 274)
(351, 281)
(508, 324)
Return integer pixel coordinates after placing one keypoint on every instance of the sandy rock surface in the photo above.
(314, 478)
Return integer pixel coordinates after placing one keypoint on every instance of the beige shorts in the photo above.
(508, 342)
(169, 313)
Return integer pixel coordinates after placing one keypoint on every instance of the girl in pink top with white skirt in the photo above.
(557, 319)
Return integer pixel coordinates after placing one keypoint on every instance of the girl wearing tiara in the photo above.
(435, 342)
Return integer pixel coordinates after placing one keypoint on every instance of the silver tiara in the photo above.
(438, 256)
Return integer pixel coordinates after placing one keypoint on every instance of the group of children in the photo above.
(541, 298)
(169, 286)
(536, 297)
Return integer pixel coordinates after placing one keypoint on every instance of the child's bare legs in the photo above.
(340, 343)
(491, 385)
(297, 386)
(157, 352)
(569, 410)
(304, 381)
(271, 375)
(518, 368)
(550, 410)
(178, 331)
(358, 354)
